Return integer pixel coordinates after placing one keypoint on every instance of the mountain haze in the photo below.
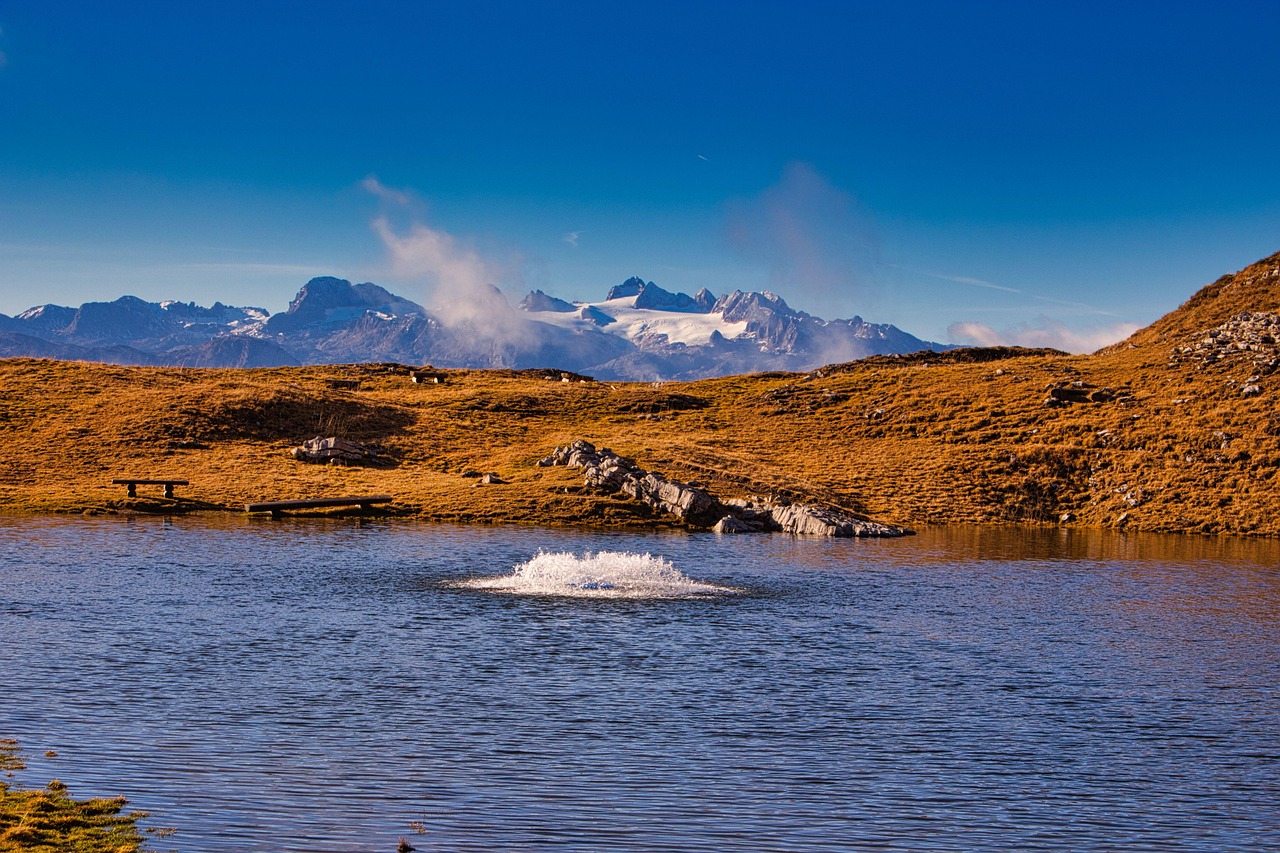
(638, 331)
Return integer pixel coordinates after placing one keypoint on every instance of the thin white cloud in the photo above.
(960, 279)
(1042, 332)
(572, 238)
(978, 282)
(705, 158)
(433, 254)
(975, 334)
(377, 188)
(458, 280)
(1070, 304)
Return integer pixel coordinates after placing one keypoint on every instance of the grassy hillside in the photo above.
(1185, 435)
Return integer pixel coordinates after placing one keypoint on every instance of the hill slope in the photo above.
(1256, 288)
(1164, 432)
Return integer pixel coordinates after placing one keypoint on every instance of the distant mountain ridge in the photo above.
(638, 332)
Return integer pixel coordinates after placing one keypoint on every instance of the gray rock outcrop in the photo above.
(1252, 336)
(606, 470)
(733, 524)
(804, 520)
(338, 451)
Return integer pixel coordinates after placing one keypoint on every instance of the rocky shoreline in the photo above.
(689, 502)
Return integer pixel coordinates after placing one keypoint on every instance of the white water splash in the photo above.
(607, 574)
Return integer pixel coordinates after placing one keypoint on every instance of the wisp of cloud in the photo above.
(1044, 332)
(459, 283)
(384, 193)
(810, 235)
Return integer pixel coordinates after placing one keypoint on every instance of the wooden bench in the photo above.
(428, 377)
(277, 507)
(345, 384)
(134, 483)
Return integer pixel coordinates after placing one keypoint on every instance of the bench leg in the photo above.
(133, 490)
(168, 490)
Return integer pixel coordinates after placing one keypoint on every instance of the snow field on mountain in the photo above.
(635, 324)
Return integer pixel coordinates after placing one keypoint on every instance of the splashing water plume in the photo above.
(606, 574)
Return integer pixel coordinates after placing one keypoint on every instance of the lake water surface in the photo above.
(336, 685)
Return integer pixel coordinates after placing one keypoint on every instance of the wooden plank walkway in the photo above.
(277, 507)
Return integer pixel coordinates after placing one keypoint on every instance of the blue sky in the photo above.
(1036, 173)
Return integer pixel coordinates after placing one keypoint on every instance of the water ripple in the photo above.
(324, 686)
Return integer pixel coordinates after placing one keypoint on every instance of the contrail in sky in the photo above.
(977, 282)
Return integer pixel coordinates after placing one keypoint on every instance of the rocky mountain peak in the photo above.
(655, 298)
(651, 297)
(190, 313)
(536, 300)
(325, 289)
(47, 318)
(630, 287)
(646, 332)
(326, 300)
(127, 318)
(754, 305)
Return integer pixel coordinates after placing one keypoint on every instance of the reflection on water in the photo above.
(326, 686)
(1019, 543)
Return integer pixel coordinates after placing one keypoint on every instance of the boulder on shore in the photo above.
(604, 469)
(733, 524)
(819, 521)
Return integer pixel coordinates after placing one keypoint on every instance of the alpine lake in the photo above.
(342, 684)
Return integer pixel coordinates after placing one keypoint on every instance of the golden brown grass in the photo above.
(962, 437)
(50, 821)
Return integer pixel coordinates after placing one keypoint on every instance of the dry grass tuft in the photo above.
(50, 821)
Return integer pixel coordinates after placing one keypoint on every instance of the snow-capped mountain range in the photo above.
(638, 332)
